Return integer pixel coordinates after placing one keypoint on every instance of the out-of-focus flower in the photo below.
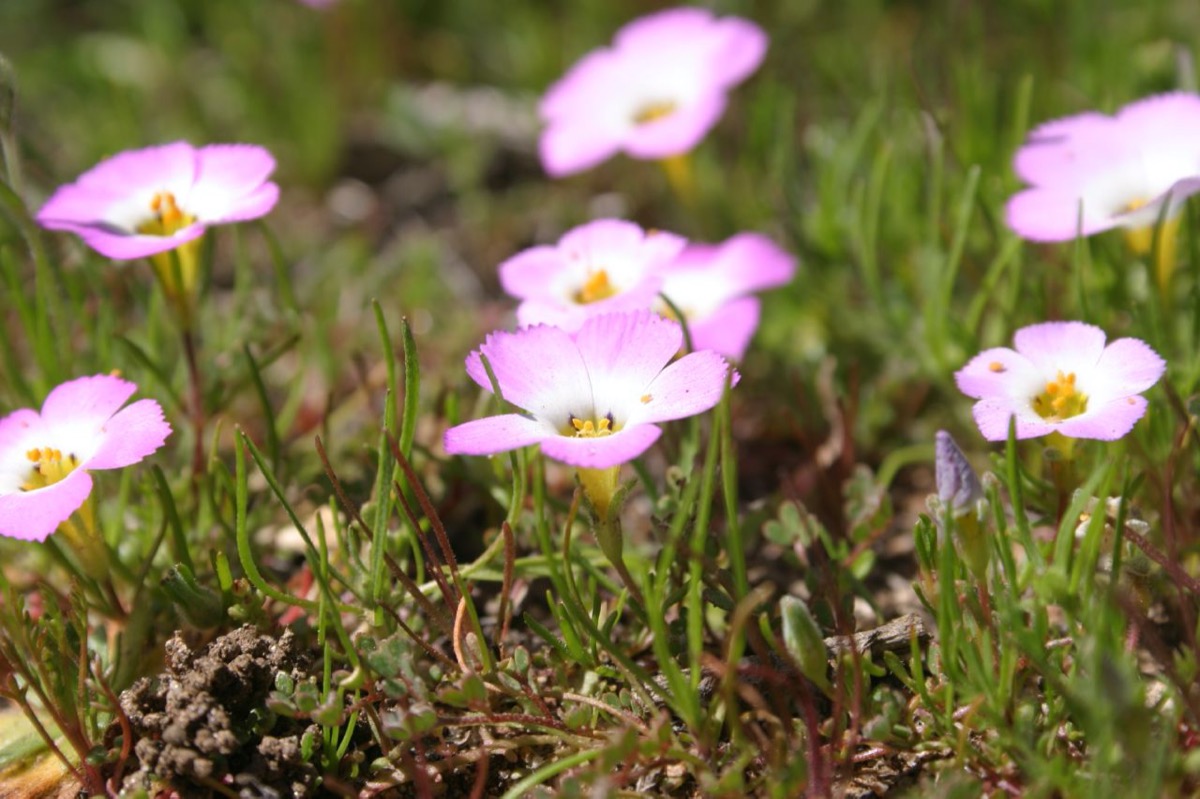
(1061, 378)
(710, 284)
(1092, 172)
(654, 93)
(600, 267)
(593, 398)
(148, 202)
(45, 457)
(142, 202)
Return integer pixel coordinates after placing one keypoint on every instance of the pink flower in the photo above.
(591, 399)
(654, 93)
(1092, 172)
(711, 286)
(45, 458)
(1061, 378)
(142, 202)
(597, 268)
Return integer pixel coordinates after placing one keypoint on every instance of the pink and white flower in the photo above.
(591, 399)
(654, 93)
(142, 202)
(1061, 378)
(1091, 172)
(604, 266)
(711, 285)
(45, 457)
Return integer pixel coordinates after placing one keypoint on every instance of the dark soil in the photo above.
(200, 726)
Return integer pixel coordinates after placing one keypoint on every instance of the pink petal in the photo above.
(131, 435)
(72, 206)
(691, 385)
(670, 26)
(625, 352)
(570, 146)
(539, 369)
(1130, 366)
(257, 203)
(495, 434)
(17, 426)
(1000, 372)
(1107, 422)
(677, 132)
(527, 273)
(603, 451)
(34, 515)
(165, 167)
(571, 316)
(1055, 214)
(88, 401)
(125, 247)
(741, 51)
(1069, 151)
(1161, 116)
(993, 413)
(727, 330)
(1066, 346)
(602, 236)
(747, 262)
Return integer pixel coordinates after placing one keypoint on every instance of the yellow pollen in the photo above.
(996, 366)
(589, 429)
(168, 217)
(49, 466)
(1061, 399)
(646, 398)
(597, 287)
(651, 112)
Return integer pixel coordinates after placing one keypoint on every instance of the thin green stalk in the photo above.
(553, 768)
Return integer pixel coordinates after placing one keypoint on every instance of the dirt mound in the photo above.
(202, 725)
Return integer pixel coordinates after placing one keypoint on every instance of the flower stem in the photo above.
(196, 403)
(681, 177)
(611, 540)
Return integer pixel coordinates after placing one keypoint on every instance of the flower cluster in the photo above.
(612, 265)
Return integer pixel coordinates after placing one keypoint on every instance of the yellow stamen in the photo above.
(1061, 399)
(589, 429)
(651, 112)
(167, 216)
(995, 366)
(176, 269)
(597, 287)
(49, 466)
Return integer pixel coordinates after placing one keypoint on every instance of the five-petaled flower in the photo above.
(45, 457)
(711, 285)
(1061, 378)
(600, 267)
(1092, 172)
(143, 202)
(592, 399)
(654, 93)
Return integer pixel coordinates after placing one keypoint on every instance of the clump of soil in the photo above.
(203, 722)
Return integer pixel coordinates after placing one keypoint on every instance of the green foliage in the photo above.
(460, 615)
